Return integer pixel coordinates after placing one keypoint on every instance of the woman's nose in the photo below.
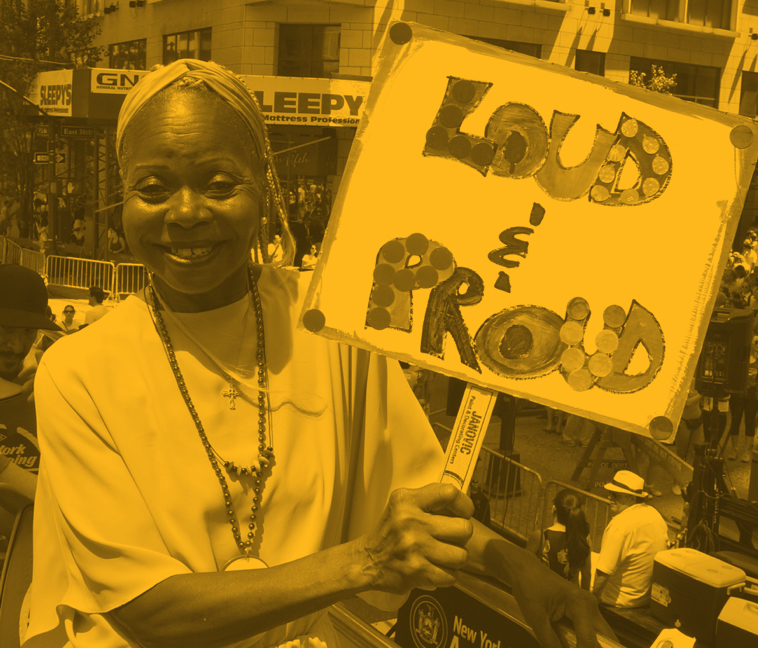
(186, 208)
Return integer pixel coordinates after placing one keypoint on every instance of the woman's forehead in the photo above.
(182, 121)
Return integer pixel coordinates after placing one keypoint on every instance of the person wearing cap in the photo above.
(632, 538)
(96, 297)
(23, 305)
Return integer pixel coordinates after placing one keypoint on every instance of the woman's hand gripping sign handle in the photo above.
(468, 435)
(426, 535)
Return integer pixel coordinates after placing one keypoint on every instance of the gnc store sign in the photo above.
(98, 93)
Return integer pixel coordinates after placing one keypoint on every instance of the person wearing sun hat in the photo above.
(632, 538)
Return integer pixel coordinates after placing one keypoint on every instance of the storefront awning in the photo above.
(97, 93)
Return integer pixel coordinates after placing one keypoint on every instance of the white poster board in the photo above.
(532, 229)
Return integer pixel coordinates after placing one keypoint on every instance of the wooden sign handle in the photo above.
(468, 435)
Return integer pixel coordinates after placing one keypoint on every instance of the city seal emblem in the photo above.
(428, 623)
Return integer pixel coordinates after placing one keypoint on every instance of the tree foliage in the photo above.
(34, 36)
(658, 81)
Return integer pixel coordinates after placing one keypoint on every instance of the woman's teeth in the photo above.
(191, 253)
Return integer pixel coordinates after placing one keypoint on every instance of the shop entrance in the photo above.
(306, 161)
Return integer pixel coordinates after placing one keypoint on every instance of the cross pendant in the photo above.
(231, 394)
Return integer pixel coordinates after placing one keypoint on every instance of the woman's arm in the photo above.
(586, 572)
(542, 595)
(412, 546)
(534, 543)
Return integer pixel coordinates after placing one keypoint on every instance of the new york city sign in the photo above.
(532, 229)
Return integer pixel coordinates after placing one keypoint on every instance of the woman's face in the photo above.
(192, 196)
(68, 314)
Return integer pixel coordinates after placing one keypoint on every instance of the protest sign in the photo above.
(532, 229)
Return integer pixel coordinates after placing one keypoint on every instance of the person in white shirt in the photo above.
(96, 297)
(310, 259)
(632, 538)
(276, 251)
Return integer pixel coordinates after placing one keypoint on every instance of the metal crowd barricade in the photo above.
(12, 252)
(33, 260)
(514, 492)
(130, 278)
(79, 273)
(597, 510)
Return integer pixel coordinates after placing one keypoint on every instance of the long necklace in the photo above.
(232, 393)
(265, 452)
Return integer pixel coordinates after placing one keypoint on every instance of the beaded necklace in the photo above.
(265, 452)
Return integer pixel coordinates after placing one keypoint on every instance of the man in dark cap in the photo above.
(23, 304)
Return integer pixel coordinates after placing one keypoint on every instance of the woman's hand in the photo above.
(542, 595)
(419, 540)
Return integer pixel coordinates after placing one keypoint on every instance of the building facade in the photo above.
(710, 45)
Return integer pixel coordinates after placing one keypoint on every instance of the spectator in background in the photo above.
(310, 259)
(116, 241)
(96, 298)
(4, 217)
(67, 323)
(565, 546)
(23, 304)
(78, 228)
(578, 431)
(276, 251)
(555, 420)
(750, 248)
(632, 538)
(744, 405)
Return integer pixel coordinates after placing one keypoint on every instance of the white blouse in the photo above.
(127, 496)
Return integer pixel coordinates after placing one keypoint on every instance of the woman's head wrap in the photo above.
(236, 94)
(224, 83)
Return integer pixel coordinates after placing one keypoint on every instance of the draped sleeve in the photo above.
(89, 513)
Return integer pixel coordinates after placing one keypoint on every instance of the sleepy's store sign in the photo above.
(524, 221)
(309, 102)
(99, 93)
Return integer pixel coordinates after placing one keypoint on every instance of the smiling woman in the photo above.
(211, 475)
(191, 209)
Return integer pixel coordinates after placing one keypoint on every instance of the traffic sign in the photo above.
(49, 158)
(77, 131)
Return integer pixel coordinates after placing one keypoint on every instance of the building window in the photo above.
(191, 44)
(696, 83)
(749, 94)
(704, 13)
(592, 62)
(530, 49)
(128, 56)
(89, 7)
(309, 50)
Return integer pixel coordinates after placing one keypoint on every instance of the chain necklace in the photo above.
(265, 452)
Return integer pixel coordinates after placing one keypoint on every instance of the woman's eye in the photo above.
(152, 189)
(221, 186)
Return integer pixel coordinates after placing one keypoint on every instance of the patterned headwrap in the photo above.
(224, 83)
(237, 95)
